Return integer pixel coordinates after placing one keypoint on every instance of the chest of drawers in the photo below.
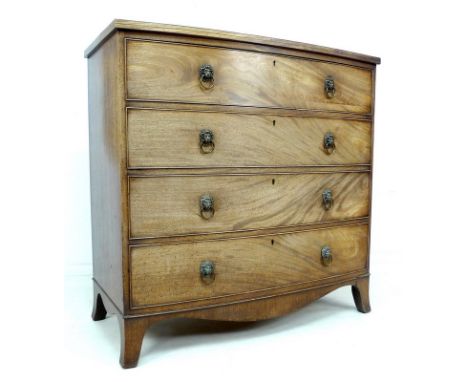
(230, 175)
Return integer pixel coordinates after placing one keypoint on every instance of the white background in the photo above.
(418, 326)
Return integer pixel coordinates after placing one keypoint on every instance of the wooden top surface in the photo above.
(222, 35)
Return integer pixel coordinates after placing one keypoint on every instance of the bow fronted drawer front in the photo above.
(196, 74)
(180, 205)
(177, 273)
(159, 138)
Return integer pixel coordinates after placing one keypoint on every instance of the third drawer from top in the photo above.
(196, 204)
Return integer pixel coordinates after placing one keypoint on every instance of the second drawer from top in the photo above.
(163, 138)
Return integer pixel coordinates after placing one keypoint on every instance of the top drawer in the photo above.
(170, 72)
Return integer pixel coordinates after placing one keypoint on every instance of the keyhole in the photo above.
(272, 242)
(273, 181)
(274, 122)
(274, 62)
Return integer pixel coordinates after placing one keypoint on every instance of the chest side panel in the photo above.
(107, 167)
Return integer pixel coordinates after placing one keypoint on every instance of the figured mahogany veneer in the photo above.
(165, 206)
(230, 175)
(164, 274)
(238, 138)
(164, 71)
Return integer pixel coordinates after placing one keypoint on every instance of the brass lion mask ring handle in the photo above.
(329, 87)
(206, 141)
(207, 209)
(206, 76)
(329, 143)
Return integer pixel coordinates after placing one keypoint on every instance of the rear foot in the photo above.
(99, 311)
(361, 295)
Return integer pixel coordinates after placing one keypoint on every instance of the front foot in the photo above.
(361, 295)
(132, 331)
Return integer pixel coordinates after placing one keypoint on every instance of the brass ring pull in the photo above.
(206, 76)
(207, 271)
(326, 256)
(329, 87)
(207, 207)
(329, 143)
(206, 141)
(327, 199)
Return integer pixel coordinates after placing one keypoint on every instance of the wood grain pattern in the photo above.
(171, 139)
(170, 273)
(169, 72)
(108, 166)
(165, 206)
(182, 32)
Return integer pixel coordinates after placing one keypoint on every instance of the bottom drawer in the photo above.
(172, 273)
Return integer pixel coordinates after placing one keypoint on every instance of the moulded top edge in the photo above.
(140, 26)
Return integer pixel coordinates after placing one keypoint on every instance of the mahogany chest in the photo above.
(230, 175)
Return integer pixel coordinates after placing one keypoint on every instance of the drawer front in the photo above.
(170, 72)
(164, 274)
(171, 205)
(175, 139)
